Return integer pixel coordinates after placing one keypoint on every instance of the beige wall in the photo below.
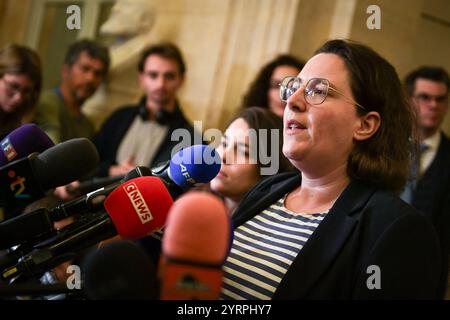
(226, 42)
(13, 20)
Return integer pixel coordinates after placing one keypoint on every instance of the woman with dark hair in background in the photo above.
(263, 91)
(20, 86)
(252, 134)
(336, 229)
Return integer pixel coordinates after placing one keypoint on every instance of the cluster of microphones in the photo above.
(194, 226)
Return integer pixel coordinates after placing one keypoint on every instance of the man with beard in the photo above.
(140, 134)
(59, 112)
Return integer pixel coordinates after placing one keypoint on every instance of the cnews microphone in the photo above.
(120, 270)
(195, 245)
(22, 142)
(133, 210)
(26, 180)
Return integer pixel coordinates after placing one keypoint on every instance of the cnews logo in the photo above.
(18, 185)
(138, 202)
(8, 149)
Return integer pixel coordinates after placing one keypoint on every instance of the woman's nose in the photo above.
(297, 100)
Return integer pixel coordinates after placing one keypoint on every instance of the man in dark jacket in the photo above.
(146, 134)
(428, 88)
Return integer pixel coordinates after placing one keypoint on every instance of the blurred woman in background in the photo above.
(263, 91)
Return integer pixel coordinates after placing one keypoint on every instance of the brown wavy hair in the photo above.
(384, 159)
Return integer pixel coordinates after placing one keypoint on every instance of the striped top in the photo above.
(263, 249)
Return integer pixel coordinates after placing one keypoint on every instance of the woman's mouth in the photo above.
(221, 175)
(293, 125)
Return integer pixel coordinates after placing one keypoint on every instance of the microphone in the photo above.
(119, 270)
(26, 227)
(93, 201)
(22, 142)
(133, 210)
(26, 180)
(195, 245)
(189, 167)
(93, 184)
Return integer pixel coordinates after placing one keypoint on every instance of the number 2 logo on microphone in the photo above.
(139, 204)
(18, 185)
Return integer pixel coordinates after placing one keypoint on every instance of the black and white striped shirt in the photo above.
(263, 249)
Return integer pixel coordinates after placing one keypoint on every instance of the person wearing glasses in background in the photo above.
(429, 190)
(20, 86)
(337, 229)
(263, 91)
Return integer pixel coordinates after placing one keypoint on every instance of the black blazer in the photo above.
(432, 194)
(366, 226)
(108, 139)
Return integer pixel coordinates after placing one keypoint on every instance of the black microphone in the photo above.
(60, 248)
(26, 180)
(93, 201)
(119, 270)
(38, 224)
(93, 184)
(26, 227)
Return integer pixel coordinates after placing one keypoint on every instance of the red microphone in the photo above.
(147, 201)
(195, 245)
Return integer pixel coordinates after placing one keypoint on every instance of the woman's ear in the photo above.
(368, 126)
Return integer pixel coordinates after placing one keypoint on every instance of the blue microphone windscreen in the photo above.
(195, 164)
(22, 142)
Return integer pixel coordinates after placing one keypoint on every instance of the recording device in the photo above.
(26, 180)
(134, 209)
(189, 167)
(120, 270)
(93, 201)
(195, 245)
(39, 223)
(22, 142)
(26, 227)
(93, 184)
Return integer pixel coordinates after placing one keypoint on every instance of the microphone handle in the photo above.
(35, 289)
(62, 247)
(92, 184)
